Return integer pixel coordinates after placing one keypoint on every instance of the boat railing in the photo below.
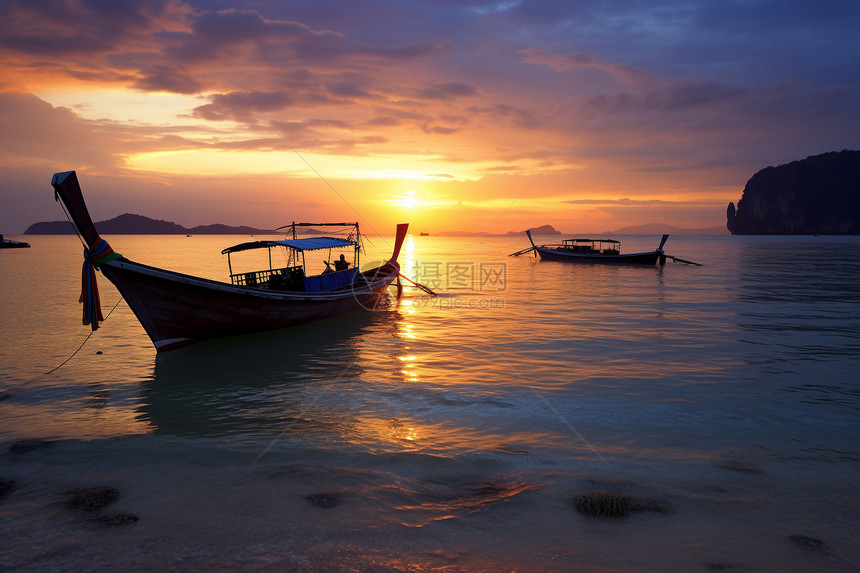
(275, 278)
(330, 281)
(590, 246)
(572, 247)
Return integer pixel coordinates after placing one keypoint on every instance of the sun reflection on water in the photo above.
(408, 368)
(407, 330)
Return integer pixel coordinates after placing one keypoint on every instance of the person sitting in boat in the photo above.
(341, 264)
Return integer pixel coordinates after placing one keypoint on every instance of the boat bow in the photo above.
(96, 250)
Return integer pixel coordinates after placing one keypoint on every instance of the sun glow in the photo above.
(414, 201)
(408, 201)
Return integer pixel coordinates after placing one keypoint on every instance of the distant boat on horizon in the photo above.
(424, 235)
(10, 244)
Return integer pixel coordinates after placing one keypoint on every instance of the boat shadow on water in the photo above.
(257, 382)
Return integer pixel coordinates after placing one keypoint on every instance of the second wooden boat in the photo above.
(604, 251)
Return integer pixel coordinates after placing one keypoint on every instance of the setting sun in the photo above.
(409, 201)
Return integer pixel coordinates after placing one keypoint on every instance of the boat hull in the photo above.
(176, 309)
(649, 258)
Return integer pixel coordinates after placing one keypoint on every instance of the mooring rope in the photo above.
(4, 394)
(63, 363)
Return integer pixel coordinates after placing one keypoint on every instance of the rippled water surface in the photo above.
(450, 433)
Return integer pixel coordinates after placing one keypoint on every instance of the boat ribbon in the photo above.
(100, 254)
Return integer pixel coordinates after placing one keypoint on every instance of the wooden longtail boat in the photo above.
(604, 251)
(177, 309)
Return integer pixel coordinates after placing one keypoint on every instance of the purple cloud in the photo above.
(241, 106)
(447, 91)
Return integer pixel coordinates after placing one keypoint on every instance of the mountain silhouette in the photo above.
(130, 224)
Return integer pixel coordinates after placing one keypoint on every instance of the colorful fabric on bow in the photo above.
(100, 254)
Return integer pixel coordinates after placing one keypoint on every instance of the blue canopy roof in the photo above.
(309, 244)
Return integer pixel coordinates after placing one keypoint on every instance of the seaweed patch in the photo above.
(608, 504)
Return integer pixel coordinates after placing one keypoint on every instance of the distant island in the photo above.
(819, 195)
(129, 224)
(542, 230)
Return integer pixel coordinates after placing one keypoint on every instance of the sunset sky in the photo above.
(450, 115)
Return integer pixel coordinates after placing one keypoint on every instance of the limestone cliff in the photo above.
(816, 195)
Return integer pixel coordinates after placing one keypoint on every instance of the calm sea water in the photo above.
(448, 434)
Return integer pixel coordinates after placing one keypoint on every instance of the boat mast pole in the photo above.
(304, 270)
(357, 253)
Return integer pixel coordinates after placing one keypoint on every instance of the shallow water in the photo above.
(449, 433)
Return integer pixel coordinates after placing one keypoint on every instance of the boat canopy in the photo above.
(308, 244)
(591, 241)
